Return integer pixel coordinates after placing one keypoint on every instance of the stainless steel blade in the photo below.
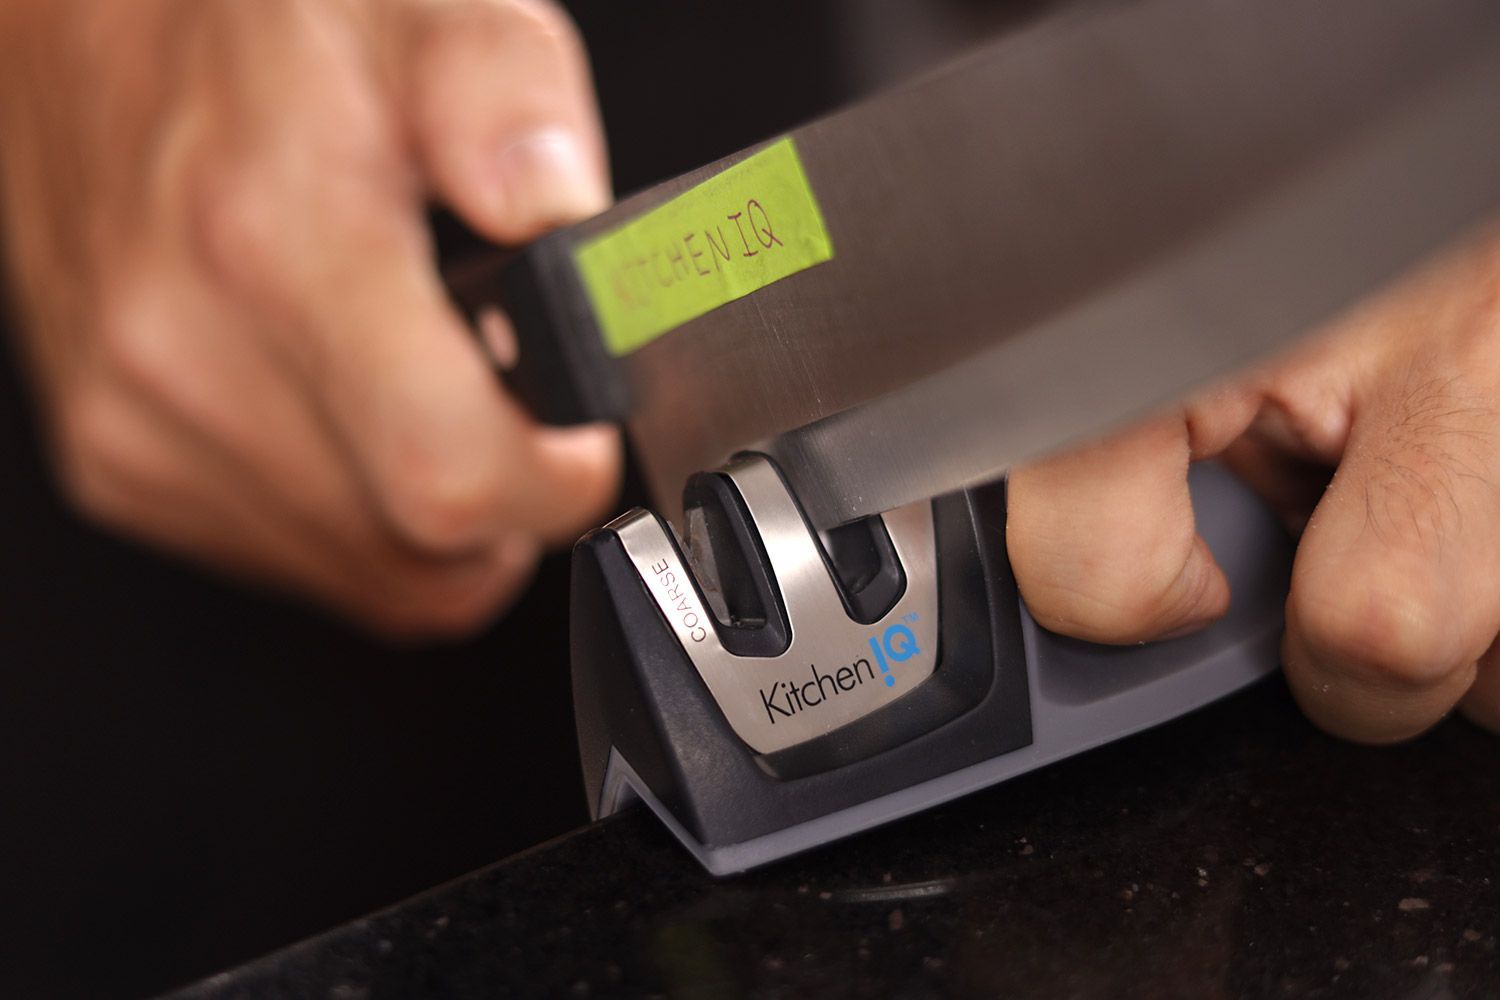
(1222, 301)
(1072, 225)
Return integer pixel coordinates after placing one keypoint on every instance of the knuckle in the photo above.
(91, 453)
(138, 344)
(92, 494)
(87, 435)
(230, 221)
(1084, 615)
(1116, 597)
(126, 338)
(1386, 636)
(444, 506)
(87, 487)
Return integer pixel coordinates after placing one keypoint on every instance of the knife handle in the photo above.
(562, 372)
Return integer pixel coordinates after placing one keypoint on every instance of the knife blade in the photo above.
(1070, 226)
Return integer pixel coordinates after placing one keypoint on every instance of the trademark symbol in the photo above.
(909, 617)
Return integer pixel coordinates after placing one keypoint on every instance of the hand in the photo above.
(1395, 599)
(216, 231)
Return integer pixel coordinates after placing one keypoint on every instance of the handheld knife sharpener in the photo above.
(784, 688)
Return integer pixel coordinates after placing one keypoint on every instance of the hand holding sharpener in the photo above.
(784, 688)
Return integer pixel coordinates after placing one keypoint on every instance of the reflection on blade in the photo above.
(1073, 225)
(1272, 273)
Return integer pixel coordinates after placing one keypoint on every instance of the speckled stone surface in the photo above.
(1233, 853)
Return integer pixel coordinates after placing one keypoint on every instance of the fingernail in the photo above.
(547, 176)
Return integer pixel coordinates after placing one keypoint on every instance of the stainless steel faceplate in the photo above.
(834, 670)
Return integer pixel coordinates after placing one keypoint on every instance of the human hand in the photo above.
(216, 232)
(1395, 598)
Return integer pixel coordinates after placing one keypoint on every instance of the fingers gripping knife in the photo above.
(838, 342)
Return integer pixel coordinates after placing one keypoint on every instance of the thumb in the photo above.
(501, 108)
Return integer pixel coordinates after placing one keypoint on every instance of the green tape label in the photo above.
(755, 223)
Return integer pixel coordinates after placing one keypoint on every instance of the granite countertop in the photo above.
(1235, 852)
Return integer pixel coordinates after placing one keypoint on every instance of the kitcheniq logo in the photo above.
(897, 644)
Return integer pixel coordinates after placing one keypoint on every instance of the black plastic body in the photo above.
(562, 374)
(636, 692)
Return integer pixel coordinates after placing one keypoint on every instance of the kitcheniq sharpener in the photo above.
(1070, 228)
(774, 688)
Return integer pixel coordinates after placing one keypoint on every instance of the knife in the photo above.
(1072, 225)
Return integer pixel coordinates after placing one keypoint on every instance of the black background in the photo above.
(192, 773)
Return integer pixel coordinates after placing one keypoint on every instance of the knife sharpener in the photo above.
(783, 688)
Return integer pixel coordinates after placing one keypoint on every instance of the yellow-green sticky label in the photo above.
(750, 225)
